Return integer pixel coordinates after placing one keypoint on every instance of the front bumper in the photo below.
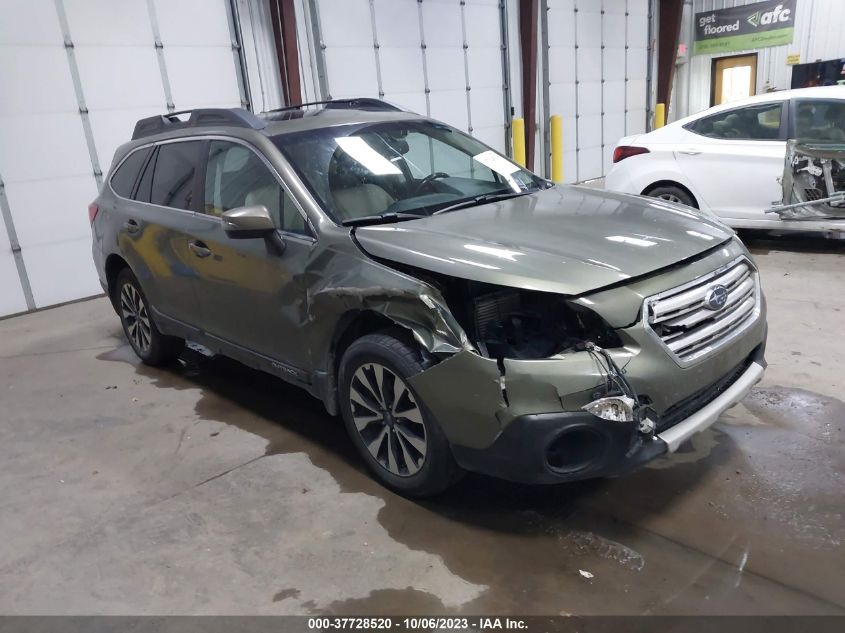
(568, 446)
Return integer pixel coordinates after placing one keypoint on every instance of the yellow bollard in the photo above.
(659, 115)
(518, 135)
(557, 148)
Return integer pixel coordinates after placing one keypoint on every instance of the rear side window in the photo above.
(753, 123)
(123, 180)
(174, 174)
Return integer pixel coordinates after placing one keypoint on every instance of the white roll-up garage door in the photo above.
(75, 76)
(442, 58)
(598, 78)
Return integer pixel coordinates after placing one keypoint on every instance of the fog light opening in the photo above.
(576, 449)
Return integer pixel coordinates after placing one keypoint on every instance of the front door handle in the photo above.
(131, 226)
(689, 152)
(199, 249)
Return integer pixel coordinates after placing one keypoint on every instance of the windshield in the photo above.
(399, 169)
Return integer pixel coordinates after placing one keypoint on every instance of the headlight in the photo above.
(614, 408)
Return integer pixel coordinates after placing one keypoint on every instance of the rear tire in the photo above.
(150, 345)
(673, 194)
(392, 429)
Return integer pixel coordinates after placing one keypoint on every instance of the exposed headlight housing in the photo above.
(614, 408)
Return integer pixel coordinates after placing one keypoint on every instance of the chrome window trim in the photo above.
(217, 137)
(698, 281)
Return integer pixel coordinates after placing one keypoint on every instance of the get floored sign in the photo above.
(745, 27)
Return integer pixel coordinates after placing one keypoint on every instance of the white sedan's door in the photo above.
(734, 160)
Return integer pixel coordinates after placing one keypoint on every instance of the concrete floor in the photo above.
(212, 489)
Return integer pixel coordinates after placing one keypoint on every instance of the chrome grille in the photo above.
(690, 329)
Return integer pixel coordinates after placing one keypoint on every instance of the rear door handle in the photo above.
(199, 249)
(132, 226)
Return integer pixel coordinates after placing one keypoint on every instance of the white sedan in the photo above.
(729, 160)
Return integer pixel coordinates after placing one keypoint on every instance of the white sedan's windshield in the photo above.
(401, 167)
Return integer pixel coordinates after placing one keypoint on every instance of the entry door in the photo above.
(734, 78)
(733, 159)
(252, 291)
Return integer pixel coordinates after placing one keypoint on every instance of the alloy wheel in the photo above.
(671, 197)
(136, 317)
(388, 419)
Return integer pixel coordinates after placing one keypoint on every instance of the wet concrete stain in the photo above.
(729, 525)
(284, 594)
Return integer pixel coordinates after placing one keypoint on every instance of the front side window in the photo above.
(123, 180)
(235, 177)
(399, 168)
(174, 174)
(752, 123)
(820, 121)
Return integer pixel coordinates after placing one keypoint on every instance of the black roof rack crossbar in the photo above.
(357, 103)
(202, 117)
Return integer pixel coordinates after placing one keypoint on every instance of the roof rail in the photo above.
(356, 103)
(202, 117)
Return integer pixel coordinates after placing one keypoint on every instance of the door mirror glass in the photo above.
(247, 222)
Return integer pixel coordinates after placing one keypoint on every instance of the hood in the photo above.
(567, 240)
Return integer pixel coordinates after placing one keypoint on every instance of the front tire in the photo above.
(392, 429)
(150, 345)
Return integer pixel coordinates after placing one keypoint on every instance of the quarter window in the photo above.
(753, 123)
(175, 171)
(123, 180)
(235, 177)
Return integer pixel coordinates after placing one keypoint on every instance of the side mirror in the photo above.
(248, 222)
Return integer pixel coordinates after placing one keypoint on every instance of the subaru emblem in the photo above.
(716, 298)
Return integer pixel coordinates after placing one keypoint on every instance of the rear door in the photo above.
(156, 223)
(734, 158)
(252, 292)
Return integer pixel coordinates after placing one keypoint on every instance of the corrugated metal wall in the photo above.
(819, 34)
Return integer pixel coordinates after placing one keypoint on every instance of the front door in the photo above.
(252, 291)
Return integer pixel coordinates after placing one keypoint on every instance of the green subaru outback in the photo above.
(459, 312)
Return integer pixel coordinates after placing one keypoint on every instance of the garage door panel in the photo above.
(588, 23)
(397, 23)
(51, 214)
(55, 147)
(589, 131)
(635, 122)
(345, 23)
(61, 272)
(109, 23)
(638, 37)
(589, 98)
(42, 84)
(613, 129)
(450, 106)
(613, 99)
(482, 25)
(193, 22)
(36, 22)
(589, 63)
(446, 69)
(613, 31)
(351, 72)
(561, 27)
(561, 64)
(613, 64)
(413, 101)
(486, 107)
(121, 77)
(637, 91)
(216, 84)
(485, 67)
(401, 70)
(617, 7)
(442, 24)
(590, 163)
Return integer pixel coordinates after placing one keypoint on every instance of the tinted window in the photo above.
(758, 123)
(820, 120)
(175, 169)
(235, 177)
(142, 194)
(124, 178)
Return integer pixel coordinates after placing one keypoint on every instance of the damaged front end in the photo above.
(813, 181)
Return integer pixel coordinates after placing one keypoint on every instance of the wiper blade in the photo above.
(482, 199)
(381, 218)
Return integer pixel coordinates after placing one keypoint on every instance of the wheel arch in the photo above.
(114, 264)
(671, 183)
